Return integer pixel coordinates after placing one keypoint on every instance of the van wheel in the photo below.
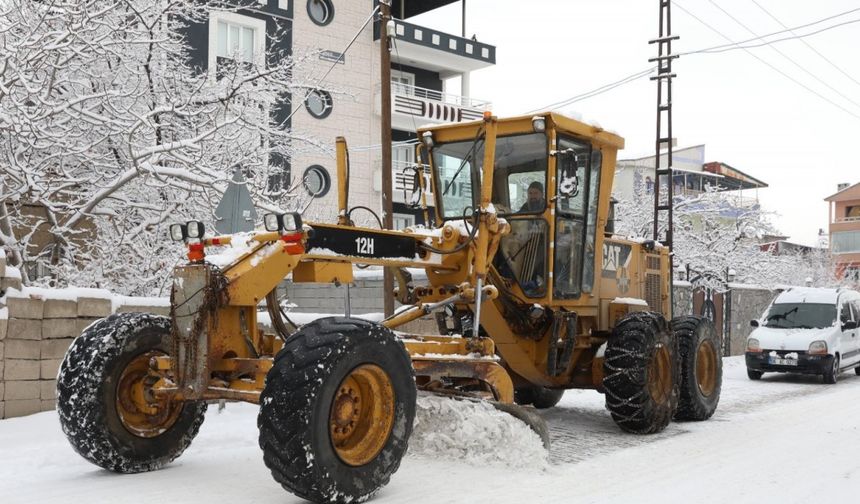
(831, 375)
(753, 374)
(857, 370)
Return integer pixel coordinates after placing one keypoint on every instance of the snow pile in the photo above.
(474, 432)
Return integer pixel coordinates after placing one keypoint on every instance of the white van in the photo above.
(807, 330)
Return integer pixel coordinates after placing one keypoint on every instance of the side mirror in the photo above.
(848, 325)
(754, 323)
(413, 201)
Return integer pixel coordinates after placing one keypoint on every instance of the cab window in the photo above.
(519, 182)
(572, 189)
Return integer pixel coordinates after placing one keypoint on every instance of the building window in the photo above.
(235, 42)
(316, 181)
(321, 12)
(845, 242)
(318, 103)
(403, 221)
(234, 38)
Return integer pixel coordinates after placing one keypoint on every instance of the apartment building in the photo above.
(348, 103)
(844, 208)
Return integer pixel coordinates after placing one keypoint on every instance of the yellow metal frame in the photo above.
(240, 355)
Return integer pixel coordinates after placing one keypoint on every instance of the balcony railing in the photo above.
(847, 219)
(479, 52)
(431, 105)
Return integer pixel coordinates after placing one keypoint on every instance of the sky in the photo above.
(791, 120)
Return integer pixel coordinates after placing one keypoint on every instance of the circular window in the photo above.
(319, 103)
(321, 11)
(316, 181)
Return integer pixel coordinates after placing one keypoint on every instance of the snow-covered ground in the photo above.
(785, 439)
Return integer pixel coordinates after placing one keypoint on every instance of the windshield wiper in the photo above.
(779, 316)
(469, 157)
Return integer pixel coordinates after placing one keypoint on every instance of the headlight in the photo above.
(270, 222)
(753, 345)
(290, 222)
(818, 347)
(177, 232)
(539, 124)
(195, 229)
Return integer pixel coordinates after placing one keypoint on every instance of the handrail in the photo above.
(402, 89)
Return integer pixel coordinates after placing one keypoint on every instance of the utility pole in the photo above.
(663, 204)
(385, 141)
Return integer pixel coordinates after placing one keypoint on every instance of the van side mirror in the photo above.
(754, 323)
(848, 325)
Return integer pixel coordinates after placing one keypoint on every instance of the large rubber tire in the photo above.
(831, 376)
(857, 370)
(87, 398)
(641, 374)
(539, 397)
(298, 399)
(701, 367)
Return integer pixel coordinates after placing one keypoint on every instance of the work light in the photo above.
(195, 230)
(177, 232)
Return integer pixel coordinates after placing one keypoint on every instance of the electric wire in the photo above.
(787, 57)
(772, 67)
(713, 49)
(816, 51)
(335, 62)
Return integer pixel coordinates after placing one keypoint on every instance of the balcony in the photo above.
(413, 106)
(438, 51)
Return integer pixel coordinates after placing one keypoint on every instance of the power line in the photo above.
(762, 37)
(825, 58)
(742, 45)
(600, 90)
(789, 77)
(789, 58)
(335, 62)
(731, 46)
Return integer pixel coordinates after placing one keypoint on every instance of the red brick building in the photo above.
(845, 232)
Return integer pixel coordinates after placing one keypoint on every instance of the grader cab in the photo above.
(532, 294)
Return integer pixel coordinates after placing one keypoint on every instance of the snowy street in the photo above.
(785, 438)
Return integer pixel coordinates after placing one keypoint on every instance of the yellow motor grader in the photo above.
(532, 295)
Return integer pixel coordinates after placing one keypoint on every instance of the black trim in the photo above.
(329, 5)
(325, 176)
(343, 241)
(325, 98)
(806, 364)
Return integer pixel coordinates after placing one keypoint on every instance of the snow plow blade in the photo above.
(528, 416)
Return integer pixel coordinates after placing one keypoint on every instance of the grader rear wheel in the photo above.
(701, 368)
(640, 374)
(337, 410)
(105, 401)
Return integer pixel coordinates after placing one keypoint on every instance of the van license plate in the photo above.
(783, 362)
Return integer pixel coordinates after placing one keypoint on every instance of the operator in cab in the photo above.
(536, 201)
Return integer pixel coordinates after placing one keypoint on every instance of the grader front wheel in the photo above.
(640, 374)
(105, 402)
(337, 410)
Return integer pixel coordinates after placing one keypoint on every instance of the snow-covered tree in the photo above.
(715, 233)
(110, 132)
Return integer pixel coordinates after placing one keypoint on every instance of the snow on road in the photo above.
(785, 438)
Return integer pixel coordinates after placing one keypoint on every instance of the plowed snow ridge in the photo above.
(475, 433)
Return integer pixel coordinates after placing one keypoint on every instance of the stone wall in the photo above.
(36, 328)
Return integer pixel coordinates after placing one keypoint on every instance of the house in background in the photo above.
(692, 176)
(844, 208)
(423, 61)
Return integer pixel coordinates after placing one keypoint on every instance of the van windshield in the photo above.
(800, 315)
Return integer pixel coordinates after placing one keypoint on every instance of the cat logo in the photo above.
(616, 264)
